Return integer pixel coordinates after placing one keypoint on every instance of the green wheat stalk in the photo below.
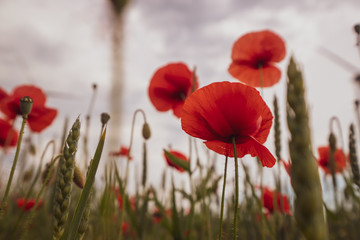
(64, 180)
(309, 212)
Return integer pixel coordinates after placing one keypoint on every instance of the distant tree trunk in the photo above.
(117, 84)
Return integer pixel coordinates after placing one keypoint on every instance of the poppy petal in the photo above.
(234, 109)
(6, 131)
(9, 107)
(254, 148)
(251, 146)
(262, 45)
(40, 118)
(250, 75)
(37, 95)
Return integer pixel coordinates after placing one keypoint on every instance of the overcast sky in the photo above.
(64, 47)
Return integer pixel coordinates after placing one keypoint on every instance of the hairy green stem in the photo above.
(222, 199)
(236, 188)
(16, 157)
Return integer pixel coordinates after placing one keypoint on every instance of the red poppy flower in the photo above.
(27, 205)
(268, 201)
(178, 155)
(170, 86)
(324, 160)
(123, 152)
(257, 50)
(221, 111)
(40, 116)
(6, 132)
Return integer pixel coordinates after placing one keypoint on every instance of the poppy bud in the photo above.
(25, 105)
(104, 118)
(78, 178)
(357, 78)
(357, 28)
(146, 132)
(32, 149)
(28, 175)
(94, 86)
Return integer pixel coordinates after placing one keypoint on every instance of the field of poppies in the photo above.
(60, 199)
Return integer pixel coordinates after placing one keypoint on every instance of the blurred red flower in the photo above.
(324, 160)
(125, 227)
(123, 152)
(257, 50)
(6, 132)
(27, 204)
(132, 201)
(170, 86)
(178, 155)
(40, 116)
(220, 111)
(157, 215)
(268, 201)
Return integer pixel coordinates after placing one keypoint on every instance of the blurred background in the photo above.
(65, 47)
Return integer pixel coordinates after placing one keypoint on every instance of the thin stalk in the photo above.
(261, 205)
(261, 76)
(31, 188)
(191, 215)
(222, 199)
(236, 188)
(3, 202)
(47, 179)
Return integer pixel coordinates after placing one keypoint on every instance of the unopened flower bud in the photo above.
(25, 105)
(28, 175)
(146, 132)
(104, 118)
(78, 178)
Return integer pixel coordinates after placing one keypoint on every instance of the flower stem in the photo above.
(3, 202)
(261, 76)
(222, 199)
(236, 187)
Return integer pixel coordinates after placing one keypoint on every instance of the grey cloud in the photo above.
(28, 43)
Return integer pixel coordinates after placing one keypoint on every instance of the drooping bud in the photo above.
(25, 105)
(28, 175)
(146, 132)
(78, 178)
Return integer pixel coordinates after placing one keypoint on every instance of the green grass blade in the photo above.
(86, 191)
(177, 161)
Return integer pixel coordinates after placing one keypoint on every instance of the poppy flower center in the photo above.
(179, 96)
(243, 134)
